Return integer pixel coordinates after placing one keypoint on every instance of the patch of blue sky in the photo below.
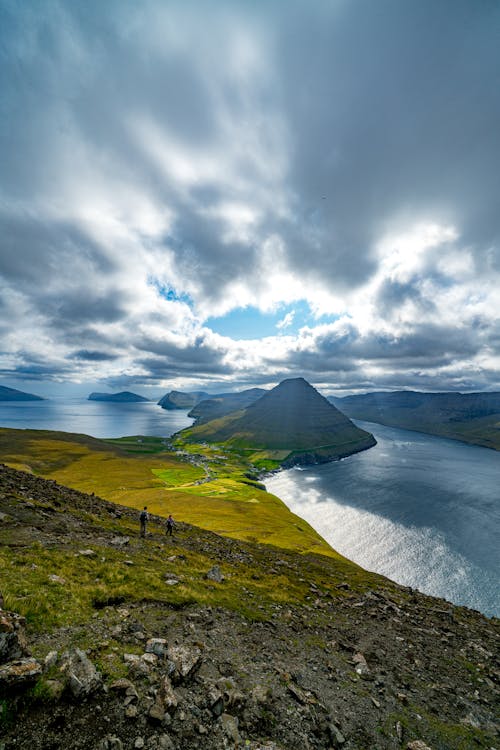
(251, 323)
(169, 293)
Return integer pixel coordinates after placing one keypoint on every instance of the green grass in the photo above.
(177, 476)
(165, 482)
(139, 444)
(88, 581)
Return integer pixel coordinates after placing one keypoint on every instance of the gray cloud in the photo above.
(238, 153)
(93, 356)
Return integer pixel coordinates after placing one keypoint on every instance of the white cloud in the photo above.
(286, 321)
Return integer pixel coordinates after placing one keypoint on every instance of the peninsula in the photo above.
(12, 394)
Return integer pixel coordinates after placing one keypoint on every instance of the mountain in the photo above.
(11, 394)
(110, 641)
(180, 400)
(122, 397)
(292, 419)
(218, 406)
(470, 417)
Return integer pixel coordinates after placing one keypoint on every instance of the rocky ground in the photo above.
(341, 665)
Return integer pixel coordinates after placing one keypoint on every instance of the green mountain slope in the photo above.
(293, 420)
(471, 417)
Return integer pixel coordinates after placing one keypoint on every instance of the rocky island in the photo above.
(124, 397)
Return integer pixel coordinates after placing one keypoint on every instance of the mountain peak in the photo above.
(292, 419)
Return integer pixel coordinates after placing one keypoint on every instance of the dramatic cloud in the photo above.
(165, 165)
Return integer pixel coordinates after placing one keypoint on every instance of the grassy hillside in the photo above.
(198, 487)
(470, 417)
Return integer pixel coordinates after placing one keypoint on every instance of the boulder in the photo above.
(185, 659)
(82, 676)
(165, 742)
(215, 700)
(336, 736)
(50, 660)
(110, 742)
(20, 672)
(157, 712)
(156, 646)
(57, 579)
(13, 644)
(120, 541)
(229, 726)
(167, 696)
(215, 574)
(361, 667)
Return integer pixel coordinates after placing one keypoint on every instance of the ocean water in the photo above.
(422, 510)
(100, 419)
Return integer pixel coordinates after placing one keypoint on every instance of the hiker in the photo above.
(144, 518)
(170, 525)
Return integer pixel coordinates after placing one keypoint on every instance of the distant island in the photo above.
(291, 425)
(205, 407)
(473, 418)
(122, 397)
(180, 400)
(11, 394)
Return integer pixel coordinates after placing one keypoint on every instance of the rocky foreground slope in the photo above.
(237, 646)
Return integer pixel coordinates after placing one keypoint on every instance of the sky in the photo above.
(221, 195)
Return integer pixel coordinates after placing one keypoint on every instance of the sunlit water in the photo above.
(423, 511)
(101, 419)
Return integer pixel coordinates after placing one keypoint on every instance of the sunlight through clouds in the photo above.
(233, 155)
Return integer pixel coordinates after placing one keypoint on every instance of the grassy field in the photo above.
(202, 486)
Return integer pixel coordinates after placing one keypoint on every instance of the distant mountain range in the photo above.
(292, 421)
(471, 417)
(11, 394)
(122, 397)
(214, 407)
(205, 406)
(180, 400)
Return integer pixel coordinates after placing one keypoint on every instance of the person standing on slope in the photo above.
(170, 525)
(144, 518)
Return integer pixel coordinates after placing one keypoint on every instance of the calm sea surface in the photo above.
(101, 419)
(422, 510)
